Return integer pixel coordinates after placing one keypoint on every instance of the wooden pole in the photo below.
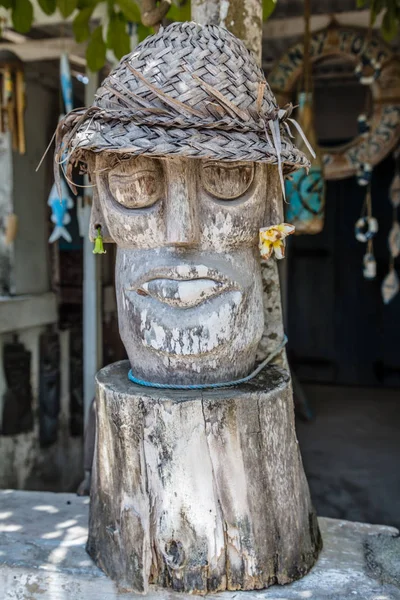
(92, 330)
(244, 19)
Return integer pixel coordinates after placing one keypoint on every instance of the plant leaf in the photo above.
(6, 3)
(80, 24)
(48, 6)
(117, 36)
(81, 4)
(376, 7)
(22, 15)
(268, 7)
(361, 3)
(130, 10)
(179, 10)
(390, 25)
(96, 50)
(66, 7)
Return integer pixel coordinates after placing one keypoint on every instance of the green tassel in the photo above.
(98, 243)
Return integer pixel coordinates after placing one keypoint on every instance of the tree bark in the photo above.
(242, 18)
(199, 491)
(273, 316)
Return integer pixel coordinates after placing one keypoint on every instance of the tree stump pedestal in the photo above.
(199, 491)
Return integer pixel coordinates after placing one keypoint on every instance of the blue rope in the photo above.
(208, 386)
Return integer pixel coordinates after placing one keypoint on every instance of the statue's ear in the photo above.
(96, 216)
(97, 219)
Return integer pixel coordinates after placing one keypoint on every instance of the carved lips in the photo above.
(184, 286)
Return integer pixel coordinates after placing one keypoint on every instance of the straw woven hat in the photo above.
(189, 90)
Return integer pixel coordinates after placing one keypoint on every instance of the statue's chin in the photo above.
(196, 330)
(214, 341)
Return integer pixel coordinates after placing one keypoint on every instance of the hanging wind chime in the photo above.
(366, 227)
(60, 205)
(391, 284)
(12, 99)
(306, 190)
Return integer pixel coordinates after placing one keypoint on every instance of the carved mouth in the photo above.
(182, 294)
(184, 287)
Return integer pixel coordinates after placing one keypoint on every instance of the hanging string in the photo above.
(307, 66)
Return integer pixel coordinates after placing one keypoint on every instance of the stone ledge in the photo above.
(22, 312)
(42, 557)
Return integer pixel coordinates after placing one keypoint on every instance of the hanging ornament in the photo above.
(390, 286)
(60, 206)
(98, 243)
(394, 239)
(363, 125)
(369, 263)
(366, 228)
(395, 190)
(66, 82)
(305, 191)
(368, 70)
(12, 99)
(364, 174)
(59, 212)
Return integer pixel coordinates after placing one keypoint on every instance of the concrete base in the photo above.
(42, 557)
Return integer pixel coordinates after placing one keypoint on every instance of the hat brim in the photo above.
(212, 144)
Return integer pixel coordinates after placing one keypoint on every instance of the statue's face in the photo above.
(188, 277)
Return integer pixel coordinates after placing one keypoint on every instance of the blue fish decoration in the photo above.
(59, 212)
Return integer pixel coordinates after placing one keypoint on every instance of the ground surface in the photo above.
(42, 557)
(351, 453)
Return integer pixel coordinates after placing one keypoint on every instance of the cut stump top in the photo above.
(114, 377)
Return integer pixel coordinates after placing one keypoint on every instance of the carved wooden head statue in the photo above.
(180, 145)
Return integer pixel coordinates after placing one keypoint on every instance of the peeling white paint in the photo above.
(218, 328)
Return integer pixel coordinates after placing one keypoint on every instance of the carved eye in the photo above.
(137, 183)
(226, 180)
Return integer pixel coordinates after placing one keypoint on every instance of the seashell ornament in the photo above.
(394, 239)
(394, 191)
(390, 286)
(369, 262)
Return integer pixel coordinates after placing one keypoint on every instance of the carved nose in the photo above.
(181, 206)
